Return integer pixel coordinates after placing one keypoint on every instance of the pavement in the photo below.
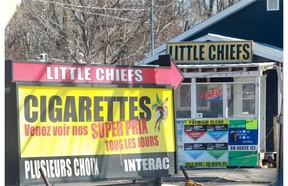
(209, 176)
(254, 175)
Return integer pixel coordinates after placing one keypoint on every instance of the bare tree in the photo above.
(97, 31)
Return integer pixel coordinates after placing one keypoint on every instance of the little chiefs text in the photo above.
(100, 74)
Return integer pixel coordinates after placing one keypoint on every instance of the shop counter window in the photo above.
(216, 99)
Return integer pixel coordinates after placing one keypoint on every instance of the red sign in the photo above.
(70, 73)
(212, 94)
(195, 135)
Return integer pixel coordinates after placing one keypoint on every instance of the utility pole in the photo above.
(152, 27)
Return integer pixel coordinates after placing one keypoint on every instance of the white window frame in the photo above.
(178, 106)
(241, 99)
(270, 5)
(238, 80)
(241, 77)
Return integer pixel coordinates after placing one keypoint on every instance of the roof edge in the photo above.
(201, 26)
(210, 21)
(262, 50)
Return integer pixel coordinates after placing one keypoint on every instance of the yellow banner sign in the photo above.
(214, 164)
(67, 121)
(206, 122)
(211, 52)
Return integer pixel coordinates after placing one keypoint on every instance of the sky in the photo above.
(10, 7)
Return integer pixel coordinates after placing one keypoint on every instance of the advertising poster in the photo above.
(243, 143)
(93, 133)
(206, 142)
(180, 142)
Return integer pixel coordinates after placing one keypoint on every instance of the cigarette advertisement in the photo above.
(93, 133)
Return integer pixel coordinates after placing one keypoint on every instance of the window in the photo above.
(183, 102)
(217, 99)
(248, 97)
(272, 5)
(241, 99)
(209, 100)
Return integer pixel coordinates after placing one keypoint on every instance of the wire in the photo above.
(113, 17)
(94, 13)
(253, 153)
(90, 7)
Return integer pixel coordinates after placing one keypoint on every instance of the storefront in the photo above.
(226, 105)
(221, 104)
(229, 104)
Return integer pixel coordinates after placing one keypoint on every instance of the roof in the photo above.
(258, 48)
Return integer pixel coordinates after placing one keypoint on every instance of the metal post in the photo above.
(280, 121)
(152, 27)
(188, 182)
(279, 162)
(157, 182)
(44, 177)
(280, 158)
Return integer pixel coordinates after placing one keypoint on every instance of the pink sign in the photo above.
(70, 73)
